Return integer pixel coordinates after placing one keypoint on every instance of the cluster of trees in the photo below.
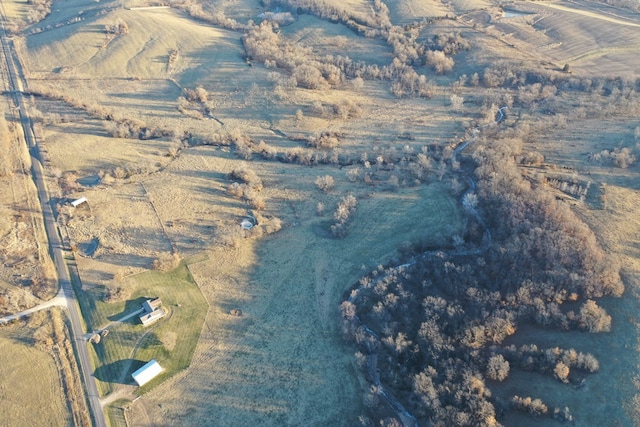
(326, 139)
(247, 187)
(437, 325)
(39, 10)
(195, 102)
(619, 157)
(342, 216)
(263, 43)
(247, 176)
(131, 128)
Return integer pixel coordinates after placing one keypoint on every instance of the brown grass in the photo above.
(26, 264)
(31, 357)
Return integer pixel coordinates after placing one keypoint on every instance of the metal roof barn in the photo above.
(78, 202)
(148, 372)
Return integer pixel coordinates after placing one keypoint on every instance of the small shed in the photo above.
(146, 373)
(78, 202)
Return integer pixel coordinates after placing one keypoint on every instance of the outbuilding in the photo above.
(78, 202)
(148, 372)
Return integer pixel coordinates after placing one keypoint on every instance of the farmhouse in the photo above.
(149, 371)
(152, 311)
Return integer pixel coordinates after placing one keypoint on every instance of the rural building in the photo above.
(152, 311)
(78, 202)
(148, 372)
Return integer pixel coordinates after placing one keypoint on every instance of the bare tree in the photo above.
(325, 183)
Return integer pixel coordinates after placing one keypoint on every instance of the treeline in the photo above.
(436, 327)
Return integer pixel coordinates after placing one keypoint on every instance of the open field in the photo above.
(36, 351)
(162, 112)
(281, 361)
(594, 38)
(22, 367)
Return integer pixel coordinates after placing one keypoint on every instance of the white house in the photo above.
(152, 311)
(148, 372)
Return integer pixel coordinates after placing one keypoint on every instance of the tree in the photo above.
(456, 102)
(561, 372)
(593, 318)
(440, 62)
(497, 368)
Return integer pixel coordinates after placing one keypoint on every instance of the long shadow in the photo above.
(112, 372)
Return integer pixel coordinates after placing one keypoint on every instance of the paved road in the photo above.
(55, 242)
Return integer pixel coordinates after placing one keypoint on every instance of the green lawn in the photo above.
(171, 340)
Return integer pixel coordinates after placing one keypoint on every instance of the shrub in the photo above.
(247, 176)
(325, 183)
(456, 102)
(166, 262)
(532, 406)
(118, 28)
(116, 294)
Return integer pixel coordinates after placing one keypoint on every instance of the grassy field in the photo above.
(24, 365)
(281, 361)
(593, 38)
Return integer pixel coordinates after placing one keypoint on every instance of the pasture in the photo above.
(31, 375)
